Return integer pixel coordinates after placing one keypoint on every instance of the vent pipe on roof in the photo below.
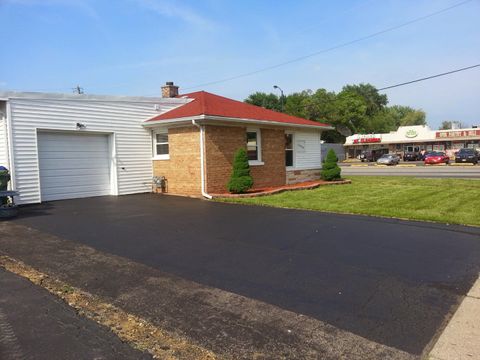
(169, 90)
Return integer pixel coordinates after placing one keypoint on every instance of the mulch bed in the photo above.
(278, 189)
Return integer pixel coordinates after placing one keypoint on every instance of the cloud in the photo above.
(169, 8)
(80, 5)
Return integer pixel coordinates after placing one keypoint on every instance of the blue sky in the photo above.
(131, 47)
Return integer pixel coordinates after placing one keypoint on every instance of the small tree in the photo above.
(240, 181)
(330, 170)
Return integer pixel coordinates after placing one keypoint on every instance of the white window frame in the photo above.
(293, 150)
(259, 147)
(154, 144)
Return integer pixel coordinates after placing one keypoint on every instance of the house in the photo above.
(70, 146)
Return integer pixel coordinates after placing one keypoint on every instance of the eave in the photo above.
(209, 119)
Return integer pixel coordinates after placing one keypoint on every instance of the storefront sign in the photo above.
(457, 134)
(367, 140)
(411, 133)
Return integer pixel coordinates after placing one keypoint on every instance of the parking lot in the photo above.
(405, 164)
(414, 168)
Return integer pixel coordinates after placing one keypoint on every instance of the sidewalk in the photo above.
(461, 338)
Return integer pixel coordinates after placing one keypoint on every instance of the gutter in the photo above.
(202, 170)
(187, 119)
(10, 149)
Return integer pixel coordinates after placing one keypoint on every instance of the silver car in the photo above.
(388, 159)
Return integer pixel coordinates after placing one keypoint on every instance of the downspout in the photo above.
(10, 152)
(202, 170)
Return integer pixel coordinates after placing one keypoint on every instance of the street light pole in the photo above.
(281, 96)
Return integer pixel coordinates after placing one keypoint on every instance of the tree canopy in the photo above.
(447, 125)
(355, 109)
(267, 101)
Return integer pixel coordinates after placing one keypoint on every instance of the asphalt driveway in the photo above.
(390, 281)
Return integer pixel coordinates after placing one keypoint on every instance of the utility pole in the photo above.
(78, 90)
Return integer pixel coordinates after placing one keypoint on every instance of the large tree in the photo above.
(295, 103)
(350, 112)
(320, 105)
(373, 99)
(404, 115)
(356, 109)
(267, 101)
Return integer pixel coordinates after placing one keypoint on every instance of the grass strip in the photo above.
(451, 201)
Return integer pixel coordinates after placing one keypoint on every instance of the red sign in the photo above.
(367, 140)
(457, 134)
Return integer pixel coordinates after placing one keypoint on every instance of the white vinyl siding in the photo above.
(3, 143)
(307, 151)
(122, 119)
(73, 165)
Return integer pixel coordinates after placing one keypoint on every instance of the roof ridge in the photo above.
(209, 104)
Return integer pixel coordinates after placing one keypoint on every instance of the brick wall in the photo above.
(182, 170)
(221, 142)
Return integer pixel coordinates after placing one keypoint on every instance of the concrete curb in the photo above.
(462, 164)
(460, 339)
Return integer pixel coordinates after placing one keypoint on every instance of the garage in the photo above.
(73, 165)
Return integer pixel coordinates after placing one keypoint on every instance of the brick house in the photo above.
(66, 146)
(194, 144)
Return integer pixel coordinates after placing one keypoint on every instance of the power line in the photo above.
(348, 43)
(429, 77)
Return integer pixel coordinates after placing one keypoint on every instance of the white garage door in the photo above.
(73, 165)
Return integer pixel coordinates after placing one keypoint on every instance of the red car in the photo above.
(436, 157)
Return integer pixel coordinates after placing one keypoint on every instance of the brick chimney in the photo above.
(169, 90)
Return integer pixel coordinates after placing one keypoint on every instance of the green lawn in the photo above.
(451, 201)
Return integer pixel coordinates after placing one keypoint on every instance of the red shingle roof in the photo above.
(208, 104)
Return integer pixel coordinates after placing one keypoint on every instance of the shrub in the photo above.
(330, 170)
(240, 181)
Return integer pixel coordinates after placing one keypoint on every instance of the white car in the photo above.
(388, 159)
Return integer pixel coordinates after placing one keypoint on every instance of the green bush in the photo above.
(240, 181)
(330, 170)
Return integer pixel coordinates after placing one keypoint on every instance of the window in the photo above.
(288, 149)
(254, 150)
(160, 145)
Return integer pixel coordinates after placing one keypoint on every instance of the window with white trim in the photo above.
(160, 145)
(288, 149)
(254, 147)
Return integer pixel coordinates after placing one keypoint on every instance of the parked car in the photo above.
(412, 156)
(467, 156)
(371, 155)
(424, 155)
(436, 157)
(388, 159)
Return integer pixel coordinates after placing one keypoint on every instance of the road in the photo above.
(413, 169)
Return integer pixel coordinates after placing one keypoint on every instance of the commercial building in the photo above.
(413, 139)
